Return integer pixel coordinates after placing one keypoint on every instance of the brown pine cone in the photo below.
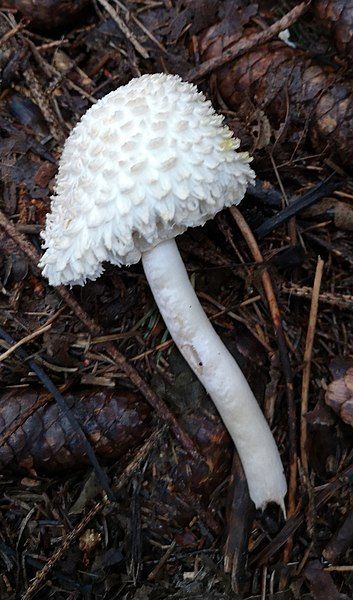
(281, 93)
(337, 16)
(115, 422)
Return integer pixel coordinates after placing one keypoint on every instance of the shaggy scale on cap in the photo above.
(145, 163)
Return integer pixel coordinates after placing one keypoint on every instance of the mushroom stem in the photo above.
(217, 370)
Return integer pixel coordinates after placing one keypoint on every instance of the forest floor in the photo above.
(175, 519)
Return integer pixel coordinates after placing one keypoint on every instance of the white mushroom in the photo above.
(145, 163)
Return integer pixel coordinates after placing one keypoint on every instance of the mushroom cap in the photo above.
(145, 163)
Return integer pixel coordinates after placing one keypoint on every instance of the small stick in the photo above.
(340, 568)
(124, 28)
(307, 364)
(283, 351)
(31, 336)
(162, 562)
(59, 78)
(139, 457)
(248, 43)
(296, 205)
(141, 26)
(161, 346)
(9, 34)
(40, 97)
(24, 340)
(231, 314)
(344, 301)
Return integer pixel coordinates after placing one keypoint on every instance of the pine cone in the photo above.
(284, 94)
(115, 421)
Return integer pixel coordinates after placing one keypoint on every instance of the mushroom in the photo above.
(146, 162)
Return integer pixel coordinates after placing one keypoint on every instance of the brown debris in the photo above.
(49, 14)
(240, 515)
(325, 445)
(44, 174)
(339, 395)
(321, 583)
(341, 541)
(337, 16)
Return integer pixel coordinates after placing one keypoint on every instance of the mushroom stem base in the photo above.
(217, 370)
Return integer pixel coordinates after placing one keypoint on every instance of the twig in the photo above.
(339, 568)
(296, 205)
(124, 28)
(344, 301)
(60, 400)
(282, 346)
(141, 26)
(22, 242)
(41, 98)
(292, 224)
(9, 34)
(153, 574)
(230, 313)
(139, 457)
(161, 346)
(248, 43)
(59, 78)
(307, 367)
(33, 335)
(24, 340)
(157, 403)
